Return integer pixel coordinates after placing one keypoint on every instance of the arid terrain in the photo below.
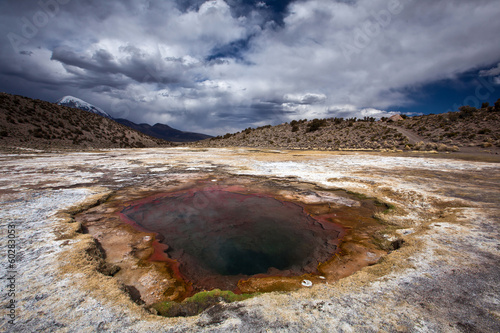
(35, 124)
(471, 131)
(442, 278)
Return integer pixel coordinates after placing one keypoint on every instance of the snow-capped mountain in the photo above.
(74, 102)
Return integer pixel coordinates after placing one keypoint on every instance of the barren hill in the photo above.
(468, 129)
(322, 134)
(29, 123)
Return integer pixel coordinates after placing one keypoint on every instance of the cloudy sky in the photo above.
(223, 65)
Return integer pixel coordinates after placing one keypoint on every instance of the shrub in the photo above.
(451, 134)
(453, 116)
(315, 125)
(485, 105)
(419, 145)
(466, 111)
(38, 133)
(295, 128)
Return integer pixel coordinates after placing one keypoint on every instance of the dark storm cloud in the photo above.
(137, 66)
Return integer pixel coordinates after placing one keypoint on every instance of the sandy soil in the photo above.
(445, 277)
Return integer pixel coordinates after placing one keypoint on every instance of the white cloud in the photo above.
(493, 72)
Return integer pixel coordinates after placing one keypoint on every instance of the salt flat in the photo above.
(445, 278)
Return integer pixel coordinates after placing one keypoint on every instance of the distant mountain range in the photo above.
(160, 131)
(165, 132)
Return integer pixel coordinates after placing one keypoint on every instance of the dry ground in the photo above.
(445, 278)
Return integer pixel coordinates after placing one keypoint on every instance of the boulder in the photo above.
(395, 118)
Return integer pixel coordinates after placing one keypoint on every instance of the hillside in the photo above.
(466, 128)
(322, 134)
(29, 123)
(469, 129)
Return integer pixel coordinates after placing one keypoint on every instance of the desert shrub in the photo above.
(466, 111)
(295, 128)
(315, 125)
(419, 145)
(485, 105)
(497, 105)
(442, 147)
(227, 136)
(38, 133)
(431, 145)
(451, 134)
(4, 133)
(484, 131)
(264, 127)
(453, 116)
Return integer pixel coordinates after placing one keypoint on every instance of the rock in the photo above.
(307, 283)
(395, 118)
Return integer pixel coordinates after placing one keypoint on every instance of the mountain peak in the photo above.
(74, 102)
